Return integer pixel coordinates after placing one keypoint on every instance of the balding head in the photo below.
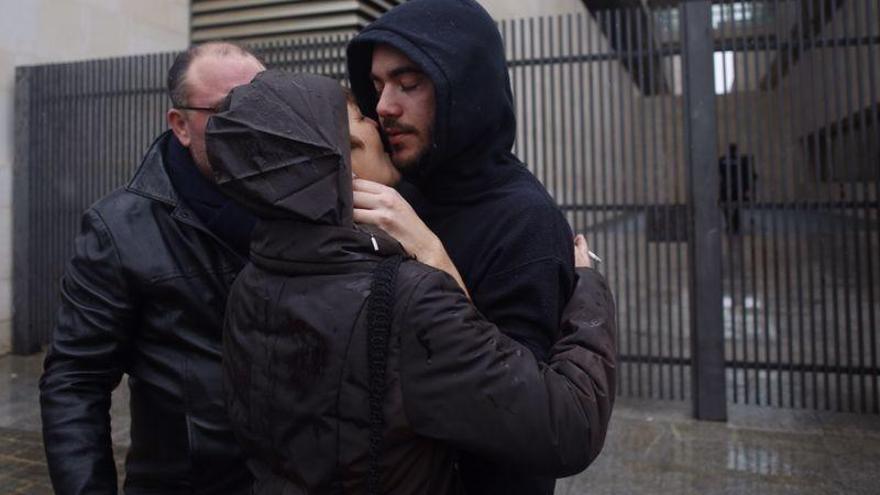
(179, 72)
(198, 81)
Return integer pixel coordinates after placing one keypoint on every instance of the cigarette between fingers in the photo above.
(595, 257)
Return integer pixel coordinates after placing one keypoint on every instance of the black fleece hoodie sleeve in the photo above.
(529, 278)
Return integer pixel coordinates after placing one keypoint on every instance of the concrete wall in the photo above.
(45, 31)
(576, 121)
(823, 86)
(507, 9)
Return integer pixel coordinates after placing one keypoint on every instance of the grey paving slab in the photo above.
(653, 447)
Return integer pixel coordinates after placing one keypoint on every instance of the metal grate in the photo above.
(800, 203)
(619, 117)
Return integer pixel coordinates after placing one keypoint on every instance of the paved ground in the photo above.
(653, 448)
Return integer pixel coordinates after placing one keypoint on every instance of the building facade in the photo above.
(50, 31)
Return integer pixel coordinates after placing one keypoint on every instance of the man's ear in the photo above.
(177, 122)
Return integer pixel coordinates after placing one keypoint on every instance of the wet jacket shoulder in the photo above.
(468, 385)
(142, 295)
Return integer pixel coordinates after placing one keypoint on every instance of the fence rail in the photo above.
(612, 111)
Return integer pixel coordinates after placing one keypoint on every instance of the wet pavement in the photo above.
(653, 447)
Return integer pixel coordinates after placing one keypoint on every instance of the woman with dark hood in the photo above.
(352, 368)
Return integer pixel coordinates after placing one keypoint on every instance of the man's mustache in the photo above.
(393, 125)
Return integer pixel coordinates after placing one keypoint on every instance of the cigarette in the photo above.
(595, 257)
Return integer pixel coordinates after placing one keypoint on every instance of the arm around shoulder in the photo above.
(467, 384)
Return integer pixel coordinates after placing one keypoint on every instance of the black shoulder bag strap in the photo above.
(380, 307)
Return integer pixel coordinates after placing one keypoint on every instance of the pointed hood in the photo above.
(280, 148)
(457, 44)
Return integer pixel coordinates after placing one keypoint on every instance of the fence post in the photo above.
(23, 341)
(704, 244)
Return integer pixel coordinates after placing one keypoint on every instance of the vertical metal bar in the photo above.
(22, 334)
(737, 244)
(587, 28)
(582, 108)
(37, 204)
(597, 113)
(642, 163)
(724, 130)
(50, 127)
(522, 94)
(682, 199)
(767, 232)
(827, 327)
(621, 23)
(555, 112)
(814, 152)
(751, 139)
(776, 210)
(799, 211)
(115, 99)
(534, 98)
(571, 158)
(874, 120)
(667, 119)
(786, 192)
(835, 121)
(710, 398)
(545, 139)
(618, 192)
(837, 209)
(655, 212)
(863, 215)
(855, 330)
(855, 99)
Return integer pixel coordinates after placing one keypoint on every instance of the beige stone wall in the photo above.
(45, 31)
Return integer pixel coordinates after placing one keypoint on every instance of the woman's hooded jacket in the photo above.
(295, 337)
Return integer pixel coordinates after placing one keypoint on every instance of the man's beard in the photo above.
(394, 125)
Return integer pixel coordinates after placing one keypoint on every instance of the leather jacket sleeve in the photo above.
(467, 384)
(83, 364)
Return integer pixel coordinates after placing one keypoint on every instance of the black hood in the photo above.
(457, 44)
(280, 148)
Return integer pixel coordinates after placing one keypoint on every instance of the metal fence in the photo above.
(749, 277)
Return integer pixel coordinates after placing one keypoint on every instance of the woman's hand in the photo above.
(384, 207)
(582, 252)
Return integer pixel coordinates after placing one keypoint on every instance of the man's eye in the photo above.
(409, 84)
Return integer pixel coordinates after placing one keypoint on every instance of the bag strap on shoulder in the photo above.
(380, 308)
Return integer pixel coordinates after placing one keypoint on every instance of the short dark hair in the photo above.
(177, 90)
(349, 96)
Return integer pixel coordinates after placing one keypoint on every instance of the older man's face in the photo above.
(209, 79)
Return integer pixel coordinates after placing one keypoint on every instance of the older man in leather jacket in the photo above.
(144, 295)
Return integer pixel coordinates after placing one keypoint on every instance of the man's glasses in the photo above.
(198, 109)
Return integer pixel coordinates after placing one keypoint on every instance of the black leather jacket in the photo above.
(144, 295)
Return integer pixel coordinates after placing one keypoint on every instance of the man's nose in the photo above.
(387, 105)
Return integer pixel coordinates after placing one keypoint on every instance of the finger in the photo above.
(367, 217)
(369, 186)
(369, 201)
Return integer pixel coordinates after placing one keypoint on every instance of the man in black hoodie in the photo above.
(434, 73)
